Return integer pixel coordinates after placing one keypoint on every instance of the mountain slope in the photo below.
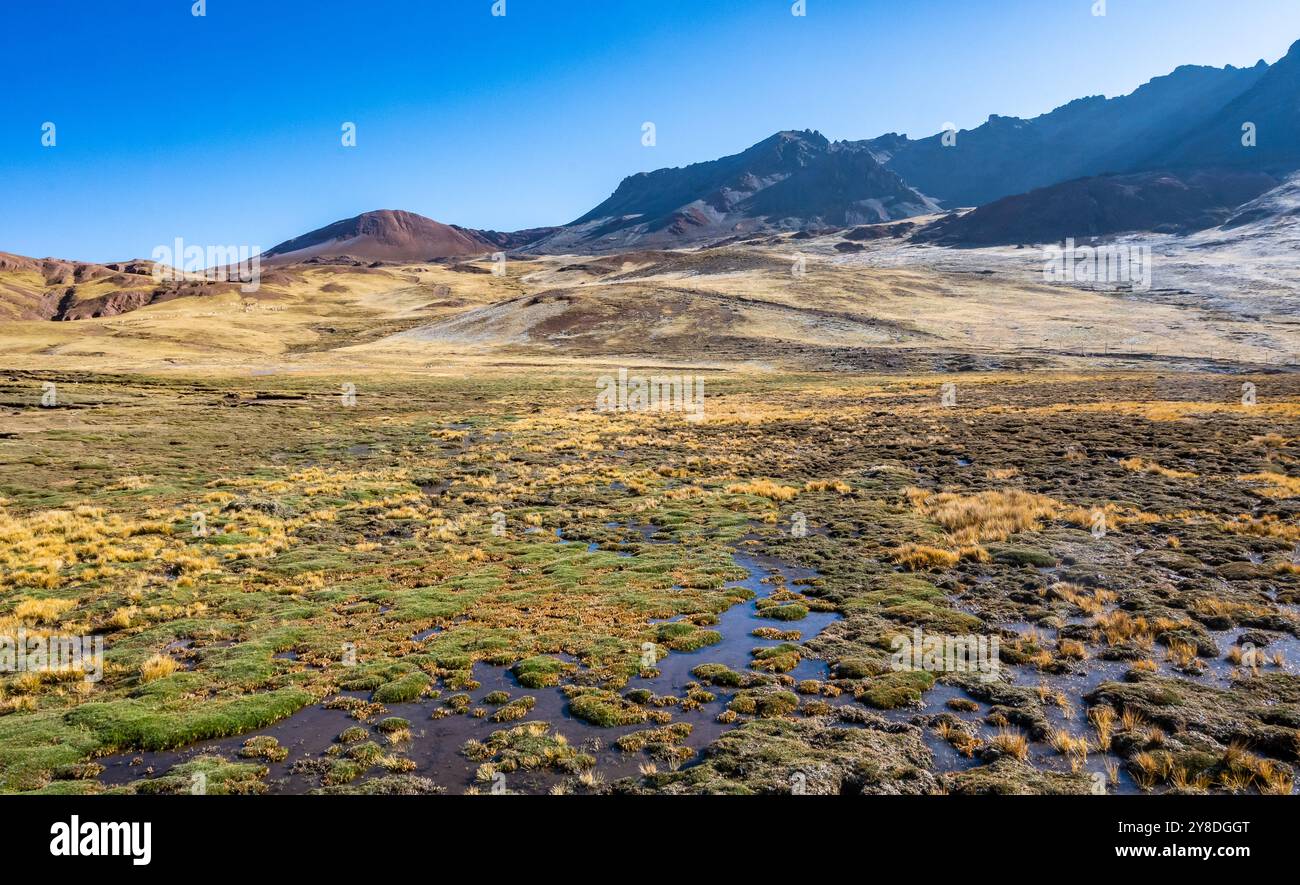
(1108, 204)
(790, 180)
(1272, 104)
(384, 235)
(54, 289)
(1089, 136)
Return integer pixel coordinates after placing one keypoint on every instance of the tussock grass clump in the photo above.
(1103, 719)
(1183, 655)
(764, 704)
(922, 557)
(1011, 742)
(1276, 485)
(686, 637)
(1069, 745)
(777, 658)
(662, 743)
(1087, 602)
(527, 746)
(263, 747)
(158, 667)
(220, 777)
(789, 611)
(1071, 649)
(42, 611)
(606, 709)
(983, 516)
(403, 690)
(897, 688)
(719, 675)
(959, 736)
(516, 709)
(539, 672)
(764, 488)
(776, 633)
(828, 485)
(352, 735)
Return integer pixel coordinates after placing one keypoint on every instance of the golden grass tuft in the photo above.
(1142, 465)
(764, 488)
(1103, 719)
(1011, 742)
(158, 667)
(1276, 485)
(984, 516)
(921, 557)
(42, 611)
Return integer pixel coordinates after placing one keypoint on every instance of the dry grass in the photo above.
(158, 667)
(1182, 655)
(1072, 746)
(1276, 485)
(1142, 465)
(764, 488)
(1120, 627)
(1011, 742)
(920, 557)
(42, 611)
(1103, 719)
(983, 516)
(1089, 603)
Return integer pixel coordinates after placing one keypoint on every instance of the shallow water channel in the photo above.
(436, 744)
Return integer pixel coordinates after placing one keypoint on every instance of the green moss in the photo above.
(718, 674)
(685, 637)
(342, 771)
(210, 775)
(764, 703)
(133, 725)
(604, 708)
(539, 672)
(857, 668)
(366, 754)
(263, 747)
(777, 658)
(516, 709)
(402, 691)
(527, 746)
(899, 688)
(352, 734)
(788, 612)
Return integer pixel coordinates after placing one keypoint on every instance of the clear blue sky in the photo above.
(225, 129)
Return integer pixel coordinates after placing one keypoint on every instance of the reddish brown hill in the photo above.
(387, 235)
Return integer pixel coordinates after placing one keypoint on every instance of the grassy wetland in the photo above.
(406, 582)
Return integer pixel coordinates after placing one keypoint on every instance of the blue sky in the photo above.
(225, 129)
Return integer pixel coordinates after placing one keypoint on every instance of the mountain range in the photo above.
(1179, 154)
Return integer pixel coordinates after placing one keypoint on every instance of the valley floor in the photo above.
(396, 582)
